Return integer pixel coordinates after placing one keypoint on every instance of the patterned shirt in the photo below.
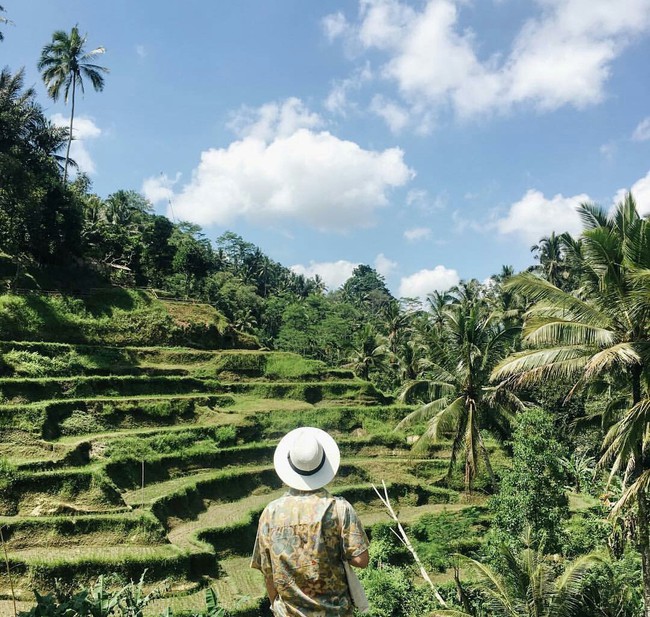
(299, 544)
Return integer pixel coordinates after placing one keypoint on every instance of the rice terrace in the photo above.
(243, 242)
(125, 458)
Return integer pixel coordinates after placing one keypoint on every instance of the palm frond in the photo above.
(532, 366)
(632, 493)
(626, 437)
(422, 413)
(622, 354)
(565, 332)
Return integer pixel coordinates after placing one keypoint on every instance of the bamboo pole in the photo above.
(403, 538)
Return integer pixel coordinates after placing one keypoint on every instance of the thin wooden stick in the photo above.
(11, 582)
(403, 538)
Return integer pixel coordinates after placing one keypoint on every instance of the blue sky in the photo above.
(434, 140)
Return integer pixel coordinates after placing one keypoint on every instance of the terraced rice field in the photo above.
(163, 460)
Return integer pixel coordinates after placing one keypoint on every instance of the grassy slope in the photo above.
(95, 388)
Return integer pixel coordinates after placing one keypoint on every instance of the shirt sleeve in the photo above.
(260, 559)
(355, 540)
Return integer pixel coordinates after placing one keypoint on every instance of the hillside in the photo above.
(133, 453)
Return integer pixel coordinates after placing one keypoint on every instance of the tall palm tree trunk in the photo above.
(486, 459)
(67, 153)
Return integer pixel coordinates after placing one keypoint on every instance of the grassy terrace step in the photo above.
(69, 491)
(221, 485)
(311, 392)
(125, 471)
(32, 359)
(187, 497)
(162, 561)
(129, 528)
(51, 418)
(31, 389)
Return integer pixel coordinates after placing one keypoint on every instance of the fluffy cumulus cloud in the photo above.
(333, 273)
(283, 169)
(561, 55)
(83, 131)
(424, 282)
(159, 188)
(535, 216)
(385, 266)
(641, 192)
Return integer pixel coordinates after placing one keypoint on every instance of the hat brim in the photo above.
(322, 477)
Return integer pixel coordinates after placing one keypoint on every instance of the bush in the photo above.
(392, 593)
(438, 536)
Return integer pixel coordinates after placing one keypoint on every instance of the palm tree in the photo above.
(600, 330)
(455, 390)
(551, 258)
(3, 20)
(368, 352)
(64, 64)
(528, 585)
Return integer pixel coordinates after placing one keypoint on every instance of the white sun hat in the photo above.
(307, 458)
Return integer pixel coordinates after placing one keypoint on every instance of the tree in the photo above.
(366, 289)
(37, 217)
(3, 20)
(529, 585)
(368, 352)
(600, 330)
(64, 64)
(455, 390)
(532, 491)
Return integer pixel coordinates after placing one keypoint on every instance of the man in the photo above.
(304, 535)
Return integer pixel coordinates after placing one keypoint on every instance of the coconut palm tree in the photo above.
(550, 255)
(455, 392)
(600, 330)
(64, 64)
(368, 352)
(528, 585)
(3, 20)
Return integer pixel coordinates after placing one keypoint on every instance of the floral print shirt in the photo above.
(299, 545)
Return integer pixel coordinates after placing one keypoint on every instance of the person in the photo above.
(303, 536)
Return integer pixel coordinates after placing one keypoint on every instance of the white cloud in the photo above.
(417, 233)
(273, 120)
(424, 282)
(642, 131)
(535, 216)
(333, 273)
(561, 55)
(159, 188)
(335, 25)
(338, 101)
(84, 129)
(281, 171)
(641, 193)
(385, 266)
(420, 199)
(141, 50)
(395, 116)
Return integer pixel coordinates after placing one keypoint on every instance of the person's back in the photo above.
(301, 542)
